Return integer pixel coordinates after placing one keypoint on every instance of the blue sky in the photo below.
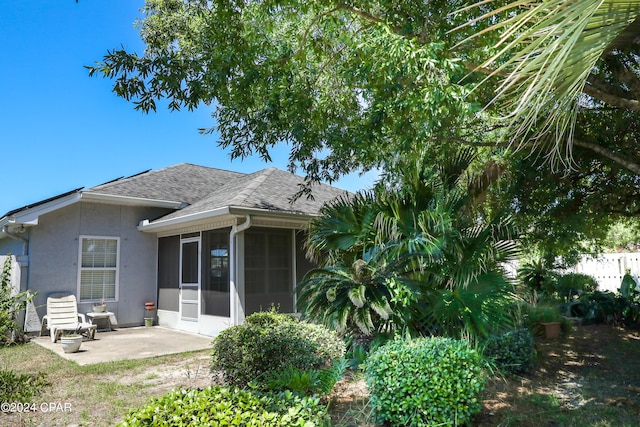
(60, 129)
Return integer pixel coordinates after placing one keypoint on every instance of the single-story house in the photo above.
(208, 246)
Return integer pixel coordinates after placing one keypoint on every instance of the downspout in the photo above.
(24, 240)
(233, 273)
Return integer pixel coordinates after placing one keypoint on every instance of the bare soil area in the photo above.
(590, 377)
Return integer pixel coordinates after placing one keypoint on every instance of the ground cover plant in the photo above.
(221, 406)
(16, 387)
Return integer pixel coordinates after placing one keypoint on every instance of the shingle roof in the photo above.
(184, 182)
(204, 189)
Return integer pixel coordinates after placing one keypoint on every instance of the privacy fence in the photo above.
(608, 269)
(15, 271)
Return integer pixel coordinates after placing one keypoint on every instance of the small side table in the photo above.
(105, 321)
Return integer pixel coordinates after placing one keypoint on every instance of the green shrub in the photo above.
(511, 351)
(269, 318)
(19, 387)
(307, 381)
(221, 406)
(253, 351)
(575, 284)
(329, 347)
(425, 381)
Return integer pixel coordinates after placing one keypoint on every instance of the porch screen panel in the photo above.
(303, 264)
(268, 270)
(190, 271)
(215, 273)
(168, 273)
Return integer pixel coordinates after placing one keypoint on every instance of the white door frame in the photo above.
(186, 321)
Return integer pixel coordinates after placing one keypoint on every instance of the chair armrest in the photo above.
(82, 318)
(45, 324)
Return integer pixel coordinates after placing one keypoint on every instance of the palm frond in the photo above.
(362, 319)
(345, 224)
(552, 46)
(357, 296)
(453, 170)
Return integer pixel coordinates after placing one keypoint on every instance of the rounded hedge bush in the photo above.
(221, 406)
(511, 351)
(268, 343)
(425, 381)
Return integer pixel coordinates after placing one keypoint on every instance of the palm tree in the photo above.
(557, 57)
(410, 258)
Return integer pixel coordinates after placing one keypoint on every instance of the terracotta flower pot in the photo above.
(552, 330)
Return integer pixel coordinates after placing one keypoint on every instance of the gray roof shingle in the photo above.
(204, 189)
(183, 182)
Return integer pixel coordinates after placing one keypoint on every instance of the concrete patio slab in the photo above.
(130, 343)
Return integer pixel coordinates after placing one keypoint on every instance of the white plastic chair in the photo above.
(62, 315)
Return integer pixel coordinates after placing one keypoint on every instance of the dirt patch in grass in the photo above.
(191, 371)
(98, 395)
(590, 377)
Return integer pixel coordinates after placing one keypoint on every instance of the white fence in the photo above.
(608, 269)
(15, 272)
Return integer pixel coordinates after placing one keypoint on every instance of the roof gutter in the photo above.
(239, 210)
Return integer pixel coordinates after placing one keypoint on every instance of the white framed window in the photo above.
(99, 259)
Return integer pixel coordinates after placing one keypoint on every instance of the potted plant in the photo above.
(546, 320)
(100, 307)
(71, 341)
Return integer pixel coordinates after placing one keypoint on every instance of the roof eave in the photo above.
(166, 224)
(31, 215)
(294, 218)
(241, 210)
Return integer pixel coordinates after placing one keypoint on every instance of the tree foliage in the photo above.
(349, 86)
(360, 85)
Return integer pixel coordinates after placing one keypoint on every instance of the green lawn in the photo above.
(101, 394)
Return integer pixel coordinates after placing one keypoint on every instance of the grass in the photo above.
(590, 378)
(99, 395)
